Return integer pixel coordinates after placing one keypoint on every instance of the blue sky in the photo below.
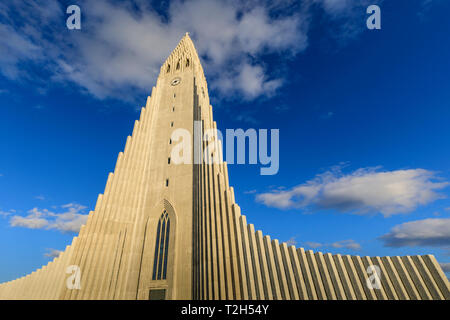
(363, 116)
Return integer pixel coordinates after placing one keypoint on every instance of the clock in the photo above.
(175, 81)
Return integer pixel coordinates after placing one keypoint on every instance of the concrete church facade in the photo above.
(168, 231)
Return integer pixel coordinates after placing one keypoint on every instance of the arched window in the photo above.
(168, 68)
(161, 247)
(187, 63)
(178, 65)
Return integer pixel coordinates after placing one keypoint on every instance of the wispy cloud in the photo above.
(281, 108)
(425, 7)
(346, 244)
(247, 117)
(445, 266)
(327, 115)
(292, 241)
(70, 220)
(432, 232)
(52, 253)
(364, 191)
(312, 244)
(6, 213)
(40, 197)
(346, 18)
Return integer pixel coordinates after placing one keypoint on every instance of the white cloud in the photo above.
(347, 18)
(250, 81)
(432, 232)
(291, 242)
(364, 191)
(347, 244)
(70, 220)
(338, 7)
(120, 47)
(52, 253)
(40, 197)
(31, 222)
(14, 49)
(6, 213)
(445, 266)
(21, 42)
(313, 245)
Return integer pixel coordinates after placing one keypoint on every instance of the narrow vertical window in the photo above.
(170, 141)
(168, 68)
(167, 182)
(171, 124)
(178, 65)
(168, 160)
(161, 247)
(187, 63)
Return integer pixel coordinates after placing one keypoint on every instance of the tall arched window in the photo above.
(168, 68)
(161, 247)
(178, 65)
(187, 63)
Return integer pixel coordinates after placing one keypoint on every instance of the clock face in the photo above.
(175, 81)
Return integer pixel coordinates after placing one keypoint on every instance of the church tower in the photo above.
(164, 230)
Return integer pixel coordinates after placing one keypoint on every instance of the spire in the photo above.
(184, 55)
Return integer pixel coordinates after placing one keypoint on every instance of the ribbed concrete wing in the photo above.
(209, 251)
